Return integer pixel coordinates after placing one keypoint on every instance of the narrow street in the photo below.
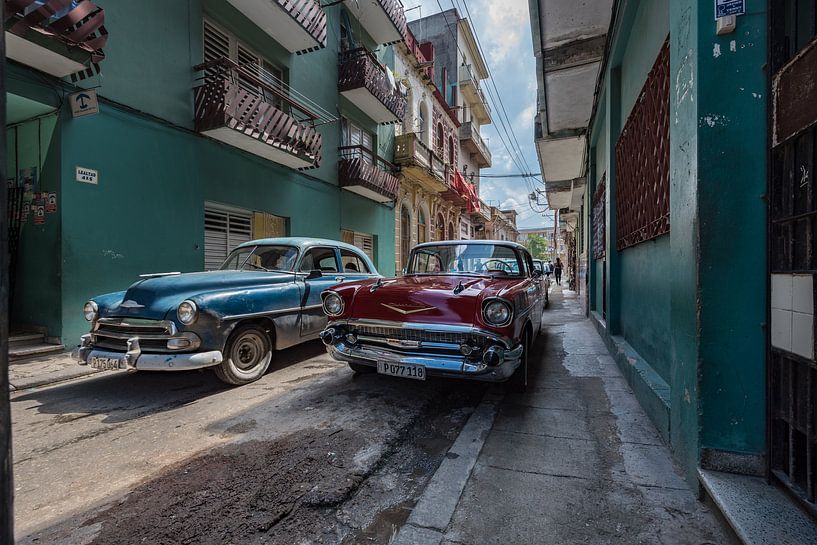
(310, 450)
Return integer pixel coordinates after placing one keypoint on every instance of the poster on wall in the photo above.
(39, 215)
(27, 179)
(51, 203)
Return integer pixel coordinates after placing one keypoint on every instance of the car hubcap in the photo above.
(248, 351)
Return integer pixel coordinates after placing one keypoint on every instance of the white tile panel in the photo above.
(781, 329)
(782, 291)
(802, 335)
(803, 293)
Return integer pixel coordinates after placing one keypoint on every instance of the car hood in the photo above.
(154, 298)
(426, 298)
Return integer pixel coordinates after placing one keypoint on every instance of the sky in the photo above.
(503, 29)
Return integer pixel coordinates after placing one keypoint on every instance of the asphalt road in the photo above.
(310, 453)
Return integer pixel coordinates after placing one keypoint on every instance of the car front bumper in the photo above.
(136, 360)
(438, 359)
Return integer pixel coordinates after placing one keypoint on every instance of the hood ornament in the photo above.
(130, 303)
(406, 309)
(376, 285)
(459, 289)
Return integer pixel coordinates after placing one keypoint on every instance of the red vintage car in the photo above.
(467, 309)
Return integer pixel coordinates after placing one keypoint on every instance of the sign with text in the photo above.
(725, 8)
(83, 103)
(87, 175)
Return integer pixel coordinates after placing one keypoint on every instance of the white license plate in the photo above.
(105, 364)
(417, 372)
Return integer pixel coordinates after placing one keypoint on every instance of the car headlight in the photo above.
(497, 313)
(187, 312)
(91, 310)
(333, 304)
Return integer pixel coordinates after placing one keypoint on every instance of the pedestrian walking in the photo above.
(557, 270)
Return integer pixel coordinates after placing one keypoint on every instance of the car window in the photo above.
(352, 263)
(465, 258)
(319, 259)
(528, 263)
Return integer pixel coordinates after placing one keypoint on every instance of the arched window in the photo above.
(440, 227)
(422, 118)
(452, 160)
(405, 236)
(440, 140)
(422, 227)
(451, 235)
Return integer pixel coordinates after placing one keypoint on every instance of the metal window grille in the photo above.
(599, 220)
(642, 160)
(223, 231)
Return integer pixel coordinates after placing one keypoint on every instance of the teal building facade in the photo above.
(219, 121)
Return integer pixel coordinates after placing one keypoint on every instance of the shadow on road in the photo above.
(123, 396)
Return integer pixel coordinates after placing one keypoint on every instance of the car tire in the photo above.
(360, 369)
(247, 356)
(519, 380)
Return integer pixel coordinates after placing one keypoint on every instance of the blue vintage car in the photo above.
(265, 297)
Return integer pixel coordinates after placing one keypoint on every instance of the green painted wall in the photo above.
(651, 19)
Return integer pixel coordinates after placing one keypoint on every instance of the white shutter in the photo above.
(223, 231)
(216, 45)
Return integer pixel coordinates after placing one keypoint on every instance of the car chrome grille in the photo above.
(418, 335)
(113, 334)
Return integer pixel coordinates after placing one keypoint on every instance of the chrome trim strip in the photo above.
(271, 312)
(424, 326)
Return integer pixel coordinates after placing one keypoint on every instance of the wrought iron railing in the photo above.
(360, 68)
(360, 166)
(467, 75)
(248, 100)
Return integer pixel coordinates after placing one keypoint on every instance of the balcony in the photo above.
(367, 174)
(384, 20)
(240, 106)
(419, 163)
(456, 191)
(472, 93)
(68, 43)
(473, 143)
(363, 81)
(298, 25)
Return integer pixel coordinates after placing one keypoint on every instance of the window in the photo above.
(468, 259)
(352, 262)
(439, 143)
(440, 227)
(219, 43)
(224, 229)
(353, 135)
(262, 258)
(452, 160)
(422, 227)
(364, 241)
(405, 236)
(268, 225)
(319, 259)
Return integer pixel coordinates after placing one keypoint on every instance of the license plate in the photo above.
(417, 372)
(104, 364)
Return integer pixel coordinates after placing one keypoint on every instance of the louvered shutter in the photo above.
(366, 243)
(252, 63)
(216, 45)
(223, 231)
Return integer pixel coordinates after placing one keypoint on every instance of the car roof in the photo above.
(300, 242)
(509, 243)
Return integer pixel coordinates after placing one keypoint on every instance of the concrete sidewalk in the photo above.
(45, 370)
(573, 460)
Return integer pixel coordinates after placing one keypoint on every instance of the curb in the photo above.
(435, 508)
(51, 378)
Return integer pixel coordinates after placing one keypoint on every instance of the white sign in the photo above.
(87, 175)
(725, 8)
(83, 103)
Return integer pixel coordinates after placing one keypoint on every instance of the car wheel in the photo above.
(247, 356)
(519, 380)
(359, 368)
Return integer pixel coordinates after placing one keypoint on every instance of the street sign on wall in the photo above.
(87, 175)
(725, 8)
(83, 103)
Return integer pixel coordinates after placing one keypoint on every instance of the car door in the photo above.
(537, 291)
(320, 270)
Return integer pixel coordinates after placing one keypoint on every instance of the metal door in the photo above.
(792, 371)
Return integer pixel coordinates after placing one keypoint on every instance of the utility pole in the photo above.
(6, 485)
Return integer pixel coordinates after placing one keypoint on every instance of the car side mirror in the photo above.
(313, 274)
(537, 273)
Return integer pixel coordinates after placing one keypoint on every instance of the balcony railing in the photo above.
(410, 151)
(363, 172)
(473, 143)
(471, 90)
(66, 41)
(362, 80)
(384, 20)
(298, 25)
(242, 106)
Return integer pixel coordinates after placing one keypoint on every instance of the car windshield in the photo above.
(479, 259)
(261, 258)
